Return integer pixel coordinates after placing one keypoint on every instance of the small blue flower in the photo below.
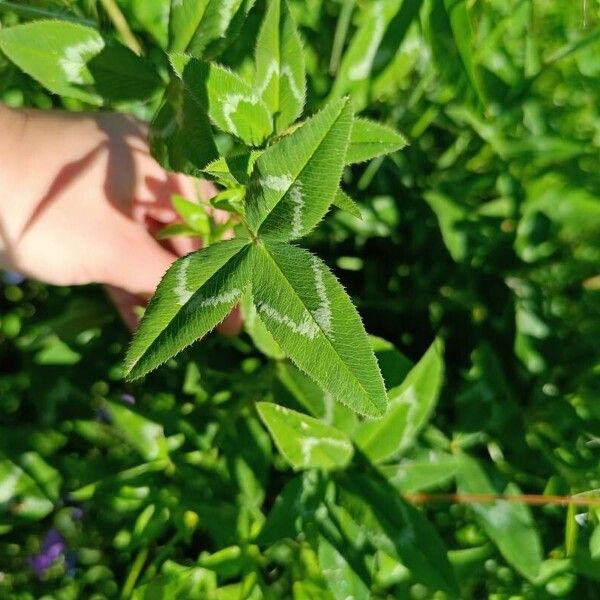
(53, 548)
(128, 399)
(76, 513)
(13, 278)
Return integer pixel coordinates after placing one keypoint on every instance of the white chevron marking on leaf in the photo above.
(306, 328)
(361, 70)
(279, 183)
(323, 314)
(222, 298)
(76, 56)
(297, 197)
(181, 290)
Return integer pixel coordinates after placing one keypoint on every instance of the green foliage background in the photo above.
(483, 233)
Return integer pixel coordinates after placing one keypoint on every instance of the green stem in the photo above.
(341, 32)
(120, 22)
(134, 573)
(33, 12)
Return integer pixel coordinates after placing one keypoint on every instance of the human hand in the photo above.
(81, 199)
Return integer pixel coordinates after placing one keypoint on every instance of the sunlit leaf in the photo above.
(370, 139)
(194, 296)
(410, 406)
(76, 61)
(280, 75)
(295, 180)
(312, 319)
(305, 442)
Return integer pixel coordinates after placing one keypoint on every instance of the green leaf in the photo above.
(176, 229)
(180, 582)
(449, 30)
(341, 578)
(397, 528)
(185, 21)
(429, 470)
(197, 24)
(359, 58)
(142, 434)
(192, 213)
(410, 406)
(280, 75)
(29, 488)
(295, 181)
(510, 526)
(452, 218)
(181, 137)
(257, 330)
(305, 442)
(231, 103)
(370, 139)
(344, 202)
(311, 317)
(304, 392)
(297, 502)
(76, 61)
(194, 296)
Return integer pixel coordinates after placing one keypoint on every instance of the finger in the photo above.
(138, 262)
(232, 325)
(125, 304)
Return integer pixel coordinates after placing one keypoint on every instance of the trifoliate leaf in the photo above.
(305, 442)
(295, 181)
(194, 296)
(310, 316)
(76, 61)
(280, 73)
(370, 139)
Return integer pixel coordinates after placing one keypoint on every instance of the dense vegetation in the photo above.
(475, 268)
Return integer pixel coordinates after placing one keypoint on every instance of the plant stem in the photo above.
(134, 573)
(120, 22)
(529, 499)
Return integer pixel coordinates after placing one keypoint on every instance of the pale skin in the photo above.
(81, 200)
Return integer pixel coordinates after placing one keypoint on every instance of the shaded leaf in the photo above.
(510, 526)
(397, 528)
(230, 102)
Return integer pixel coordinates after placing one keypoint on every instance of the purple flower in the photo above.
(128, 399)
(76, 513)
(53, 547)
(103, 416)
(13, 278)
